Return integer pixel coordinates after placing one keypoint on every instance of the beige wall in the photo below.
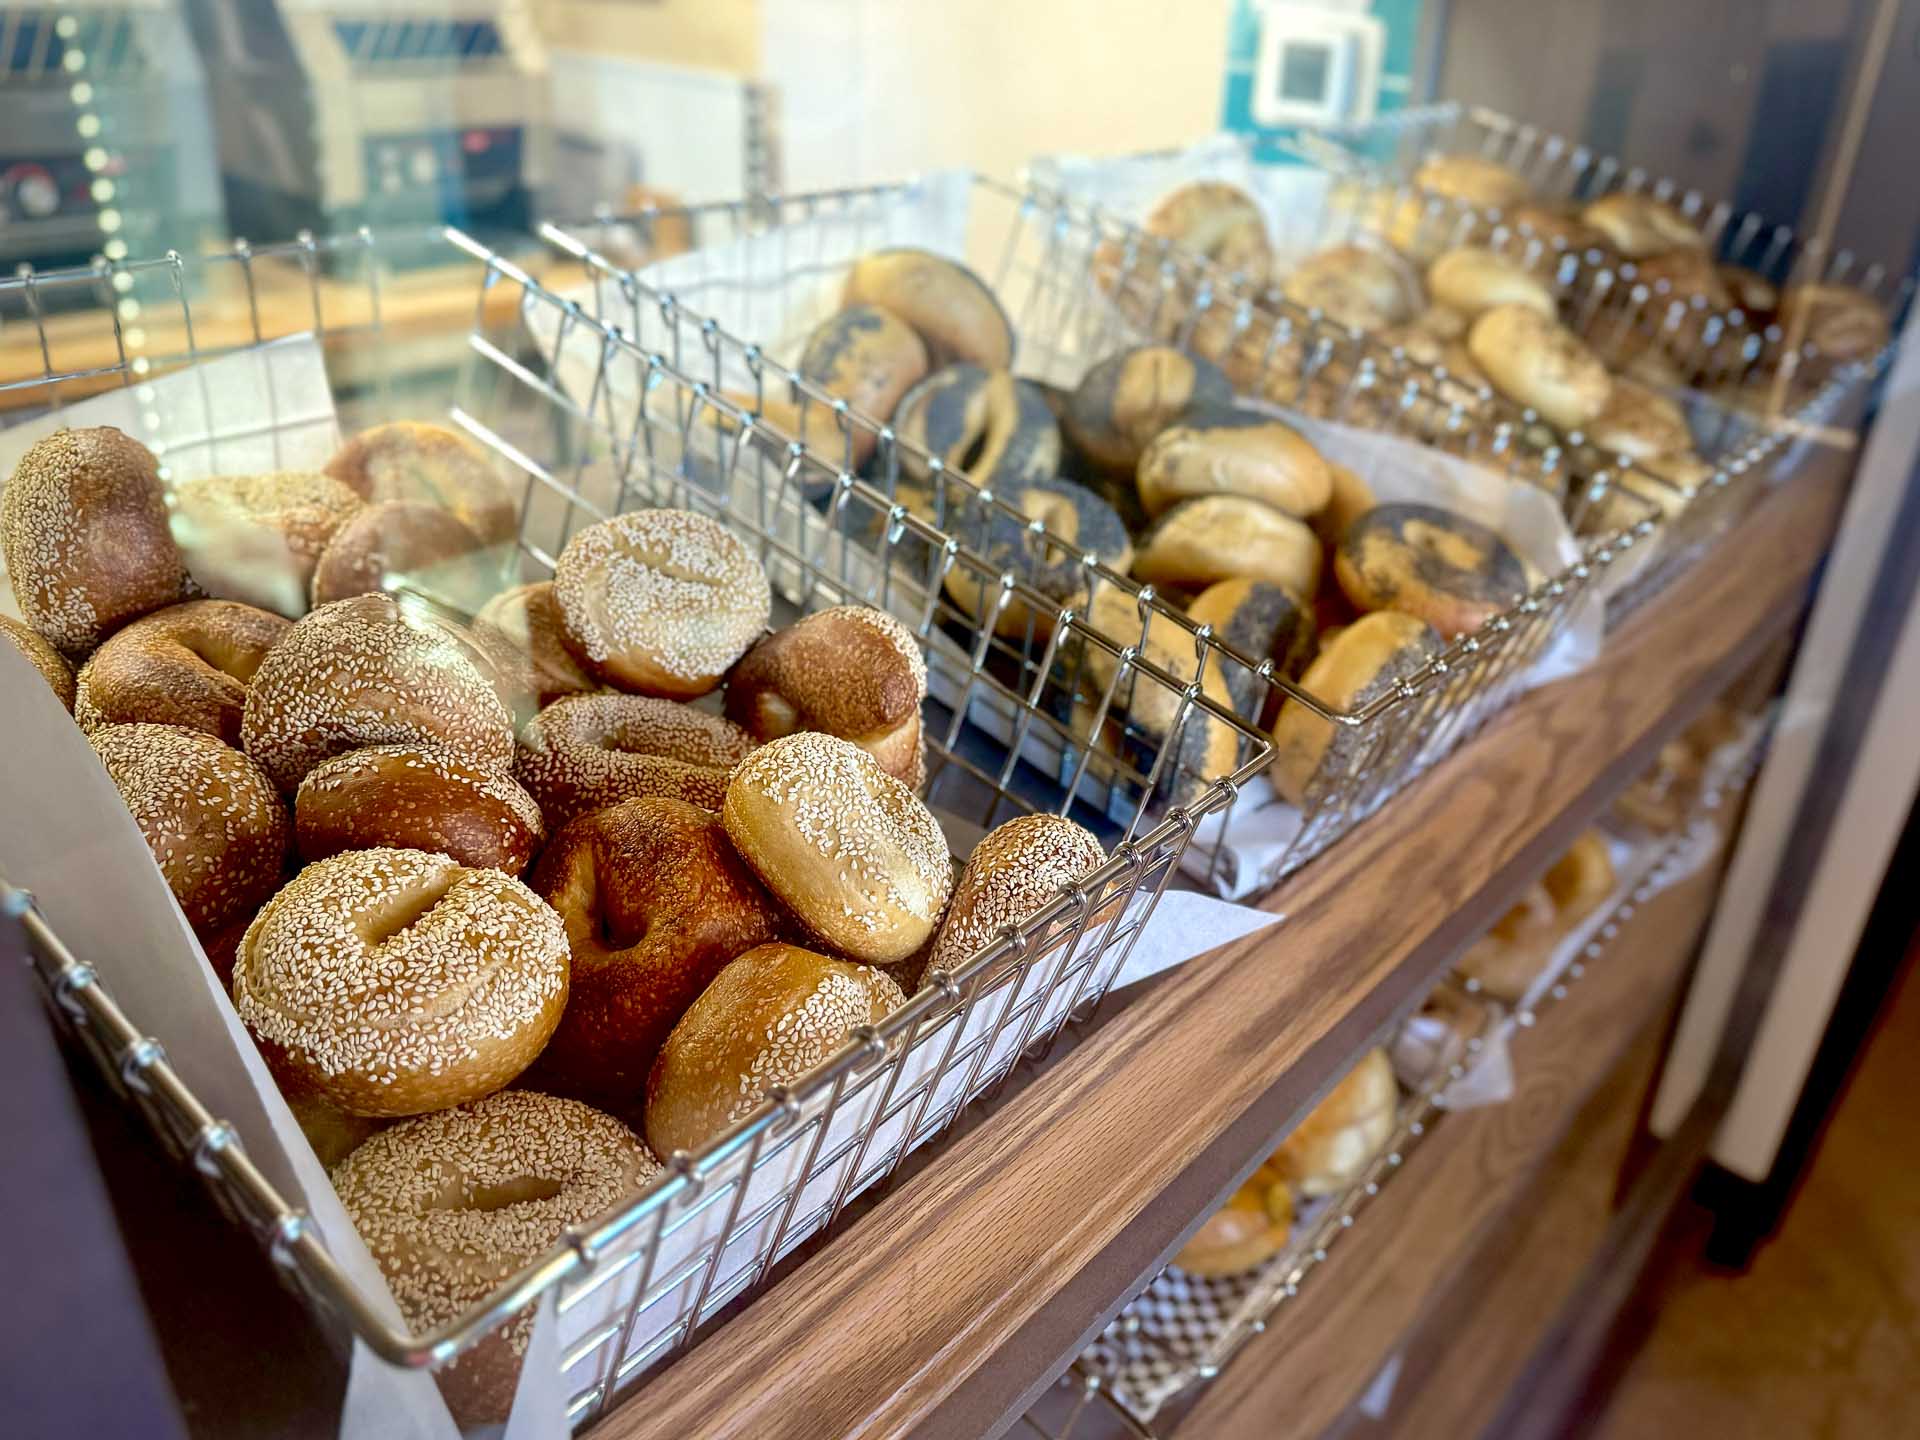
(875, 89)
(710, 34)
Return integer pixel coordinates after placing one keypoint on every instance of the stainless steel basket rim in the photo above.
(1719, 216)
(141, 1060)
(1599, 553)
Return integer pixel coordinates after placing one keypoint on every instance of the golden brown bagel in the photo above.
(656, 903)
(44, 658)
(1639, 226)
(1471, 279)
(416, 797)
(1368, 659)
(256, 538)
(1234, 452)
(215, 826)
(1327, 1151)
(1218, 221)
(851, 851)
(1539, 363)
(386, 542)
(366, 672)
(1247, 1231)
(83, 528)
(526, 621)
(1839, 322)
(451, 1206)
(771, 1015)
(587, 751)
(188, 664)
(661, 601)
(850, 671)
(1472, 180)
(429, 465)
(1639, 423)
(953, 310)
(1018, 868)
(393, 982)
(1353, 285)
(1219, 537)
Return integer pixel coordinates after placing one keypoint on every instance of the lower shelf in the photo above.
(1458, 1197)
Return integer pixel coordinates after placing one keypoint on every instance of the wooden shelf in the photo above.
(954, 1301)
(1456, 1197)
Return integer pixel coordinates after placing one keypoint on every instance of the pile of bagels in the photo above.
(1149, 466)
(1489, 315)
(498, 899)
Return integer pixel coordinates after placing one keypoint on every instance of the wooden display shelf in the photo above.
(1456, 1197)
(951, 1304)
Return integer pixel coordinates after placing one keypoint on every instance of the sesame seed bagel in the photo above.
(452, 1205)
(850, 671)
(416, 797)
(1536, 361)
(1234, 452)
(849, 849)
(188, 664)
(1219, 221)
(769, 1017)
(655, 902)
(1452, 572)
(394, 982)
(83, 527)
(868, 358)
(1639, 225)
(950, 308)
(256, 538)
(588, 751)
(213, 822)
(1019, 867)
(363, 672)
(44, 658)
(1127, 399)
(1218, 537)
(429, 465)
(382, 543)
(661, 601)
(1471, 179)
(1364, 661)
(527, 620)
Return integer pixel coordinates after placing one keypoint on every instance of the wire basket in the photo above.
(1736, 352)
(732, 292)
(632, 1288)
(1182, 1330)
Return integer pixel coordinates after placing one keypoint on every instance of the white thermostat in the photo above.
(1317, 63)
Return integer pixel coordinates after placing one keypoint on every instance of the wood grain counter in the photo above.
(955, 1300)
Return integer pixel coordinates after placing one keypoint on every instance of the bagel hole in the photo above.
(522, 1190)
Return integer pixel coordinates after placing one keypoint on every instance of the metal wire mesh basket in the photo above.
(733, 291)
(1182, 1330)
(633, 1287)
(1722, 335)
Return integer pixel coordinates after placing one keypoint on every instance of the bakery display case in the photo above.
(1340, 865)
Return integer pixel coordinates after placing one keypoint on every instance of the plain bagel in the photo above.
(953, 310)
(1234, 452)
(1219, 537)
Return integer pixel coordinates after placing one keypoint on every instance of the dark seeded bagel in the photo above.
(995, 429)
(1452, 572)
(1127, 399)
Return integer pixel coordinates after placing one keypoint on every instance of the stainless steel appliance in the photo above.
(105, 138)
(336, 115)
